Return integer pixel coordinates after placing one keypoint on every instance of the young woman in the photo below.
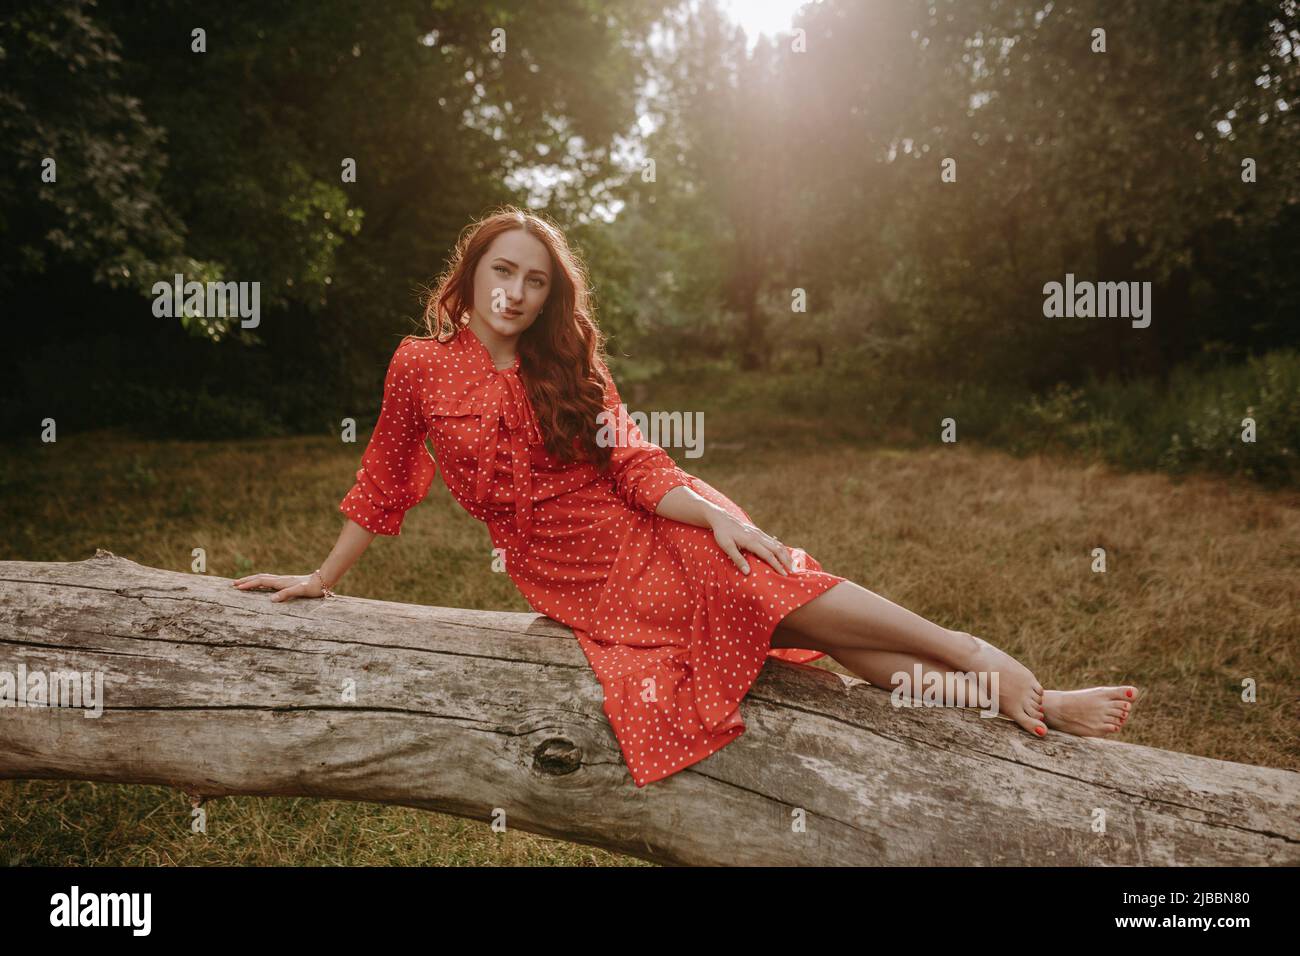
(675, 597)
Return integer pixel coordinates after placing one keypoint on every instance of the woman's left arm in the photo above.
(645, 476)
(685, 505)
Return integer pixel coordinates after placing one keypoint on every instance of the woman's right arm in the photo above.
(396, 472)
(353, 541)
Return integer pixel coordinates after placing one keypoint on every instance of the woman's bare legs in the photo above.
(1094, 712)
(849, 617)
(870, 634)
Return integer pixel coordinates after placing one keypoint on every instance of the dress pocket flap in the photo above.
(452, 407)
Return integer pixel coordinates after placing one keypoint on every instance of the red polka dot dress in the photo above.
(674, 632)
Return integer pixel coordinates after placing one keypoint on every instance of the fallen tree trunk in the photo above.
(471, 713)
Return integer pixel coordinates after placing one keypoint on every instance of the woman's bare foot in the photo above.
(1094, 712)
(1020, 696)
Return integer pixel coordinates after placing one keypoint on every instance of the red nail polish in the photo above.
(1040, 731)
(1128, 693)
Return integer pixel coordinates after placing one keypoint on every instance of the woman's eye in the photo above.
(500, 268)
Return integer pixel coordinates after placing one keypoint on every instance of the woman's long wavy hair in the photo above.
(558, 351)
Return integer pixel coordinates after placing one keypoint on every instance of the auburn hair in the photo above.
(558, 352)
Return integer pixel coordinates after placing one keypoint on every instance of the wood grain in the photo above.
(217, 691)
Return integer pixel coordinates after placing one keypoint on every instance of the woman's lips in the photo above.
(513, 312)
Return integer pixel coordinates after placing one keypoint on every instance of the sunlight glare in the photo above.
(762, 16)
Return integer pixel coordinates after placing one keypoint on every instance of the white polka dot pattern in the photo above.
(674, 632)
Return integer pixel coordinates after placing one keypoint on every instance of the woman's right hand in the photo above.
(286, 586)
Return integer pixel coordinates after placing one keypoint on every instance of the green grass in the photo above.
(1192, 424)
(1202, 590)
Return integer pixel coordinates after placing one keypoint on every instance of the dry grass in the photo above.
(1202, 591)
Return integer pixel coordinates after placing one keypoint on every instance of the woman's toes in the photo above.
(1027, 719)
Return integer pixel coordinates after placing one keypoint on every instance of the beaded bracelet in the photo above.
(325, 590)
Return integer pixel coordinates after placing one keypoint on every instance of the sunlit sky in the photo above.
(762, 16)
(755, 17)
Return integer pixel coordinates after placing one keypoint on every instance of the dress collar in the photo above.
(476, 345)
(504, 401)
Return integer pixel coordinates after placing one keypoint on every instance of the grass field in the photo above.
(1201, 592)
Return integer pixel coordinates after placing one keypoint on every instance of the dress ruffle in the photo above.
(674, 632)
(677, 661)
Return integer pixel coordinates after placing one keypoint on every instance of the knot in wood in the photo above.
(557, 756)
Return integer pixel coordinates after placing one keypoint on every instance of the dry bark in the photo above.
(217, 691)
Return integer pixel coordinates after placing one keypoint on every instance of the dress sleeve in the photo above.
(396, 467)
(642, 471)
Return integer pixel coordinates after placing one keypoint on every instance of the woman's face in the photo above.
(511, 283)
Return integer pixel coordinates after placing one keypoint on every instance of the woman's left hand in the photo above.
(735, 536)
